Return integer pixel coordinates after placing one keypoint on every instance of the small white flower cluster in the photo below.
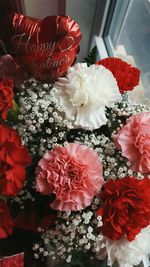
(41, 124)
(76, 231)
(114, 165)
(24, 196)
(44, 124)
(121, 112)
(126, 108)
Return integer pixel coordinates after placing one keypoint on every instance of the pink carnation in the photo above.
(134, 141)
(73, 173)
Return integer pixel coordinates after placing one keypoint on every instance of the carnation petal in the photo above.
(14, 158)
(126, 75)
(134, 141)
(73, 173)
(129, 253)
(123, 205)
(85, 93)
(95, 119)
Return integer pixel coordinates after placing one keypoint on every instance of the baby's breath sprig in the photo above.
(73, 231)
(41, 124)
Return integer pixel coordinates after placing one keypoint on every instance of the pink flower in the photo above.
(73, 173)
(134, 141)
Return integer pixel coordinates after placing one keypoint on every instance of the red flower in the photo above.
(126, 208)
(14, 158)
(6, 221)
(13, 261)
(126, 75)
(6, 97)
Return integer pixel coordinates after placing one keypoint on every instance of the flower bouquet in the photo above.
(75, 167)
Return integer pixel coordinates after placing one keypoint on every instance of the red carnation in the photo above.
(6, 221)
(126, 75)
(126, 208)
(13, 261)
(6, 97)
(14, 157)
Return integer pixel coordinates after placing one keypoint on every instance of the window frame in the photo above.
(109, 21)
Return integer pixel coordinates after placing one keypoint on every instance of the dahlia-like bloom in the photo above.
(73, 173)
(6, 221)
(127, 253)
(126, 75)
(85, 92)
(126, 207)
(14, 158)
(134, 141)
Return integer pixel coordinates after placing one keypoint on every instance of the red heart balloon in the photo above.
(44, 48)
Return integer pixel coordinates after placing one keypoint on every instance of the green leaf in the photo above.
(14, 112)
(92, 56)
(125, 97)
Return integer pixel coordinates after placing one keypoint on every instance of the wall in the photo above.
(83, 12)
(41, 8)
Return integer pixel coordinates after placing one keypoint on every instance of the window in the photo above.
(126, 33)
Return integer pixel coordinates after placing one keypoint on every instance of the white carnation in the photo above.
(126, 253)
(85, 92)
